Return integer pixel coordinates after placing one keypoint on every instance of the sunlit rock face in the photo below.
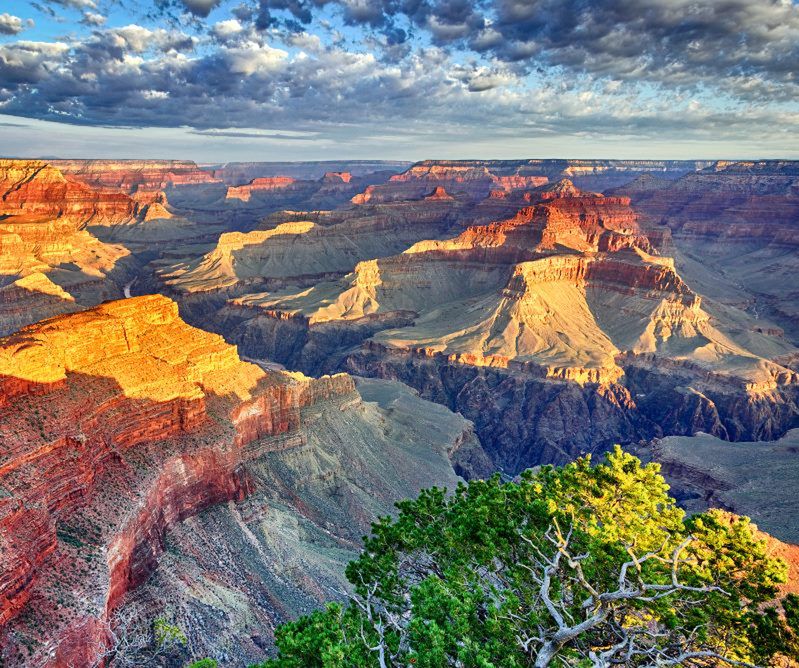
(88, 226)
(133, 176)
(50, 263)
(559, 327)
(119, 422)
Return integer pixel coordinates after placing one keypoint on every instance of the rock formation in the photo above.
(748, 478)
(263, 184)
(240, 173)
(566, 309)
(35, 189)
(49, 261)
(145, 467)
(131, 176)
(734, 231)
(118, 423)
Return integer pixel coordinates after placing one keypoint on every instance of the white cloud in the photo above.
(93, 19)
(227, 29)
(251, 58)
(13, 25)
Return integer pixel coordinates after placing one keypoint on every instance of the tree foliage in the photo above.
(581, 566)
(204, 663)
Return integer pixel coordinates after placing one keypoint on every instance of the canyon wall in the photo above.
(145, 468)
(118, 423)
(559, 329)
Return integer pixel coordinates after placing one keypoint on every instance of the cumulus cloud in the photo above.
(429, 68)
(227, 29)
(675, 43)
(23, 63)
(251, 58)
(12, 25)
(94, 19)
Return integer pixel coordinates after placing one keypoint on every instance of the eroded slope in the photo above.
(119, 422)
(559, 329)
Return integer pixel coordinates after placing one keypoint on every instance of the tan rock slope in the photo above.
(734, 228)
(119, 422)
(90, 225)
(49, 261)
(146, 469)
(564, 311)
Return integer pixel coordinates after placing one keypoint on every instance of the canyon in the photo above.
(503, 308)
(213, 378)
(122, 421)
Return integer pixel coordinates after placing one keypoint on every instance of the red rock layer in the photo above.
(132, 176)
(736, 202)
(337, 177)
(126, 419)
(555, 219)
(438, 193)
(35, 189)
(517, 182)
(265, 184)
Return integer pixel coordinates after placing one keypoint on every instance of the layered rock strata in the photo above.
(558, 330)
(117, 423)
(132, 176)
(734, 232)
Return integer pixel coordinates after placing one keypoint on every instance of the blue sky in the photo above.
(215, 80)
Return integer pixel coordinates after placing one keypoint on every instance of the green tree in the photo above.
(203, 663)
(581, 565)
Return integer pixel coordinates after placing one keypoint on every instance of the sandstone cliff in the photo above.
(49, 260)
(119, 422)
(131, 176)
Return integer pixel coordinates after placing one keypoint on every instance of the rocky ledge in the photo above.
(115, 424)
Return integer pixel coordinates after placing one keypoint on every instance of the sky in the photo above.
(223, 80)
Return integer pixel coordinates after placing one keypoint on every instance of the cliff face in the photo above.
(132, 176)
(116, 424)
(233, 572)
(307, 248)
(145, 468)
(588, 174)
(263, 184)
(38, 190)
(566, 306)
(733, 228)
(49, 262)
(240, 173)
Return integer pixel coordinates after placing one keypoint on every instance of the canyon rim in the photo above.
(269, 270)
